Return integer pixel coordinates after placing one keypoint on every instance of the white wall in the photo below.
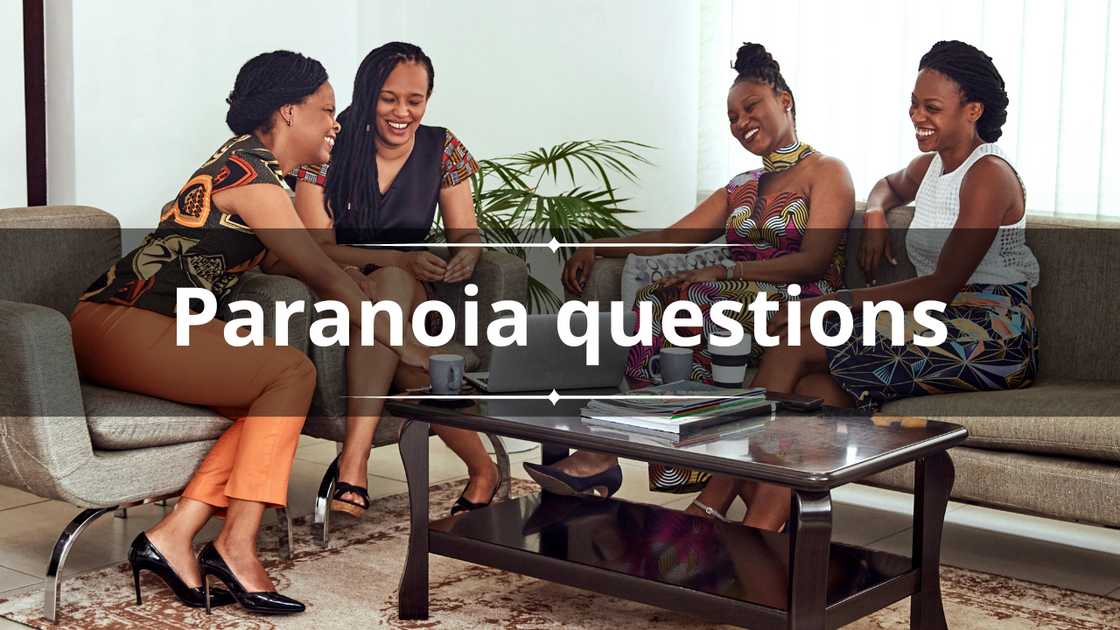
(13, 160)
(149, 81)
(513, 76)
(146, 86)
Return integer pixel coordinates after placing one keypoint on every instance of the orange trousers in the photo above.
(266, 390)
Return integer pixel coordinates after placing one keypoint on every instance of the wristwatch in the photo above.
(729, 265)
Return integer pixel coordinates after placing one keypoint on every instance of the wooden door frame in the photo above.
(35, 101)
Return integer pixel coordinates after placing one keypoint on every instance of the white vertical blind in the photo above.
(852, 66)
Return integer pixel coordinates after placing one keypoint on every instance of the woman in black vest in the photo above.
(386, 177)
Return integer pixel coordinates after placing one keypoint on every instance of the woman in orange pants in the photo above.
(263, 388)
(232, 210)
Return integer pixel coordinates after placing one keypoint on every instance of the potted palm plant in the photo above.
(565, 193)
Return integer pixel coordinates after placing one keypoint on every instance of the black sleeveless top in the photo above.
(404, 212)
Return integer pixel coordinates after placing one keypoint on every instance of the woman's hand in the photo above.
(704, 274)
(366, 284)
(776, 325)
(462, 264)
(423, 265)
(415, 354)
(876, 244)
(577, 270)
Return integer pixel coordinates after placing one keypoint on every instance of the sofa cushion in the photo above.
(122, 420)
(1075, 304)
(334, 429)
(1054, 417)
(31, 240)
(1057, 487)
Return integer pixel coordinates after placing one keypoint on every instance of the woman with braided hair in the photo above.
(387, 175)
(968, 245)
(785, 223)
(232, 210)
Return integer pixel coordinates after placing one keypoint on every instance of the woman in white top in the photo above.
(967, 244)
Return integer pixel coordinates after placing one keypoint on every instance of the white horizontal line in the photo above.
(551, 245)
(538, 397)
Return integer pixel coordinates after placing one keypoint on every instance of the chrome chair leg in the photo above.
(53, 584)
(286, 542)
(502, 457)
(322, 516)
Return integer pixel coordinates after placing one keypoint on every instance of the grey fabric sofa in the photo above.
(104, 450)
(1052, 449)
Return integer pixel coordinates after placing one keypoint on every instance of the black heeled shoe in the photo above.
(143, 556)
(260, 602)
(463, 505)
(556, 481)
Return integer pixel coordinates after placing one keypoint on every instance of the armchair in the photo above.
(98, 449)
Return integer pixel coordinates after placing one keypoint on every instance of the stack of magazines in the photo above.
(683, 407)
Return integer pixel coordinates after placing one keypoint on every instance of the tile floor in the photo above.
(1069, 555)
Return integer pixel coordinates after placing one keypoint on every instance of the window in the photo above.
(851, 66)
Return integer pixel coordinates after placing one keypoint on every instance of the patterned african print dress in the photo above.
(757, 229)
(992, 342)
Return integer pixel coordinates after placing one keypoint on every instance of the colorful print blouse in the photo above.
(196, 244)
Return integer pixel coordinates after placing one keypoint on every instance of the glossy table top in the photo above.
(815, 451)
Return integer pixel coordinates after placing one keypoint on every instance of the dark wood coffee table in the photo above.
(756, 579)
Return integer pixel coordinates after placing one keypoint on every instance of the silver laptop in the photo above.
(546, 363)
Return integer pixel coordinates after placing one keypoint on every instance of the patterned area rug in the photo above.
(354, 583)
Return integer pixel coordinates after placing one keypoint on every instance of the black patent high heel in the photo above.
(556, 481)
(463, 505)
(143, 556)
(261, 602)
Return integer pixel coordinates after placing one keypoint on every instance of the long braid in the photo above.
(978, 78)
(352, 179)
(266, 83)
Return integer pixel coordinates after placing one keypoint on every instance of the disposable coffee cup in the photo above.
(673, 364)
(446, 371)
(729, 363)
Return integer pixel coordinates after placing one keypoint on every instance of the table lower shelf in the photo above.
(723, 572)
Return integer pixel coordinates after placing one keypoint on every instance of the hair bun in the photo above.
(267, 82)
(753, 58)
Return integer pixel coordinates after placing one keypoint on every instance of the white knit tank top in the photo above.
(936, 207)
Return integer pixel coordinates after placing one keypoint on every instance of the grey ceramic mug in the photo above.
(674, 364)
(446, 371)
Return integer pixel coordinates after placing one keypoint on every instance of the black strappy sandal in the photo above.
(463, 505)
(349, 506)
